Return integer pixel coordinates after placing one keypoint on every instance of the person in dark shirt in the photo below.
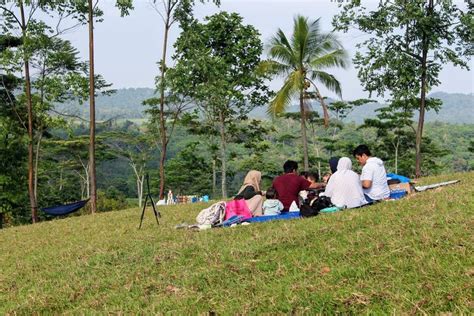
(290, 184)
(333, 167)
(250, 192)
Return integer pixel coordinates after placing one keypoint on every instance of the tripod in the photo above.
(148, 196)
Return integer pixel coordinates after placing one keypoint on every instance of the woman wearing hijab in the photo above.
(344, 187)
(333, 167)
(333, 161)
(250, 192)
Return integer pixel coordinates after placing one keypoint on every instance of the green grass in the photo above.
(409, 256)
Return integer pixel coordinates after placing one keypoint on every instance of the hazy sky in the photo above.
(128, 48)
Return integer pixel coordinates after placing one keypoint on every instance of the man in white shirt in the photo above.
(374, 176)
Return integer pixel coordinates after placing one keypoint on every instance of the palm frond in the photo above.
(322, 43)
(280, 49)
(336, 58)
(328, 80)
(291, 87)
(273, 67)
(314, 39)
(299, 38)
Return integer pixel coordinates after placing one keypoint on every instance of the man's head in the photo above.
(290, 166)
(362, 153)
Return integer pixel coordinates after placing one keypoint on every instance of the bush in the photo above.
(110, 200)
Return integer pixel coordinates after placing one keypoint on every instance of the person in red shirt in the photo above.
(289, 184)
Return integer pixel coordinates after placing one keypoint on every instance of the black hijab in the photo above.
(333, 164)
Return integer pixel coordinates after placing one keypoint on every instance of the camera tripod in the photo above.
(148, 196)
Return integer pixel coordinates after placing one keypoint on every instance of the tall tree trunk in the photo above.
(162, 170)
(140, 187)
(29, 105)
(223, 156)
(214, 178)
(140, 179)
(316, 148)
(304, 138)
(38, 145)
(164, 140)
(61, 179)
(397, 145)
(92, 173)
(421, 118)
(421, 121)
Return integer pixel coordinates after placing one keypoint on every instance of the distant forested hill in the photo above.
(124, 103)
(457, 108)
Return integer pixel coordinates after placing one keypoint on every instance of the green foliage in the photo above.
(392, 58)
(394, 142)
(302, 60)
(13, 151)
(110, 200)
(189, 172)
(410, 43)
(217, 69)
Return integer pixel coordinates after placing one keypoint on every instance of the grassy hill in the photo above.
(397, 257)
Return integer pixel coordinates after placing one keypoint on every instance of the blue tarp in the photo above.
(266, 218)
(59, 210)
(398, 177)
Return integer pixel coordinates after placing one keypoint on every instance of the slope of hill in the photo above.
(127, 103)
(124, 103)
(457, 108)
(397, 257)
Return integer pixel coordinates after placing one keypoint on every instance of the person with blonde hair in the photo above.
(251, 193)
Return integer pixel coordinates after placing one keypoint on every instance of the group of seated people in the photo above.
(343, 186)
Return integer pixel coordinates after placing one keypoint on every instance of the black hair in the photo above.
(304, 174)
(361, 150)
(313, 175)
(290, 166)
(271, 193)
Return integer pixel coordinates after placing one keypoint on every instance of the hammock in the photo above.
(59, 210)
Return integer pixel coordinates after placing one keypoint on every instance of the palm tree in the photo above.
(302, 61)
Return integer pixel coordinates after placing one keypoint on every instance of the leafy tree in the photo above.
(217, 69)
(21, 16)
(12, 140)
(163, 118)
(17, 20)
(394, 130)
(85, 12)
(303, 60)
(410, 43)
(136, 148)
(170, 11)
(71, 155)
(188, 172)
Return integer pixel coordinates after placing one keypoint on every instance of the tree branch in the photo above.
(69, 115)
(11, 14)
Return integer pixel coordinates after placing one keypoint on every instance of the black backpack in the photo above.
(313, 207)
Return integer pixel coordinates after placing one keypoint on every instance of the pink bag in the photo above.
(237, 207)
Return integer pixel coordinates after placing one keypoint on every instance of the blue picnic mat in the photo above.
(266, 218)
